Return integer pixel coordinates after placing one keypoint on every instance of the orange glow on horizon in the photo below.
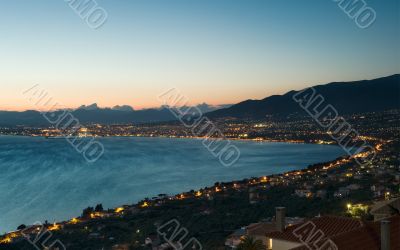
(135, 107)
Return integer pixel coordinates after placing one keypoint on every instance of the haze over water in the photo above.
(42, 179)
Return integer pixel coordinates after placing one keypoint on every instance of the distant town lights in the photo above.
(119, 210)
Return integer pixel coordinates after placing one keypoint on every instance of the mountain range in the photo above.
(347, 97)
(94, 114)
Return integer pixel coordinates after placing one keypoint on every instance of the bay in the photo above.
(43, 179)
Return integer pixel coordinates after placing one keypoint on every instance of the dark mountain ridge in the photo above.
(89, 114)
(347, 97)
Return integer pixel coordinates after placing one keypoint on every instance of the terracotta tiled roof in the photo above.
(386, 206)
(329, 225)
(261, 228)
(366, 237)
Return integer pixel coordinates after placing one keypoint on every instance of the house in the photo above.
(342, 192)
(253, 195)
(165, 246)
(95, 236)
(378, 191)
(297, 235)
(379, 235)
(121, 247)
(303, 193)
(234, 239)
(376, 188)
(152, 240)
(273, 181)
(259, 230)
(384, 209)
(255, 230)
(353, 187)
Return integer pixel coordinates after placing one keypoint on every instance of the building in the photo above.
(234, 239)
(253, 195)
(259, 230)
(384, 209)
(338, 233)
(303, 193)
(380, 235)
(309, 232)
(321, 194)
(121, 247)
(342, 193)
(353, 187)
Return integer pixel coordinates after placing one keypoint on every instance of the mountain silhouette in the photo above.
(87, 114)
(346, 97)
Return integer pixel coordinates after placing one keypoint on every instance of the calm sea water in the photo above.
(42, 179)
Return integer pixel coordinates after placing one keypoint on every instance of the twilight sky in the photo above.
(214, 51)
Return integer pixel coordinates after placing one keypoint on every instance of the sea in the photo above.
(47, 179)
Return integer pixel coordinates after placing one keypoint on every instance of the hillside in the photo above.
(347, 97)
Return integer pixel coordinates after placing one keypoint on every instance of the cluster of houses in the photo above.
(381, 176)
(326, 232)
(334, 232)
(309, 183)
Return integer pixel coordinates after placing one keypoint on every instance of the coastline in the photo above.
(253, 180)
(185, 137)
(245, 183)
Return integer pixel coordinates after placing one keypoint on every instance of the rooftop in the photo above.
(329, 225)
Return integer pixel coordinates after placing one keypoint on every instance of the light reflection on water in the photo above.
(42, 179)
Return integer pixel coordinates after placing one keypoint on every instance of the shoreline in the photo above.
(145, 203)
(254, 180)
(185, 137)
(245, 183)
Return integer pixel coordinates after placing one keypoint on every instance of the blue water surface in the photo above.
(47, 179)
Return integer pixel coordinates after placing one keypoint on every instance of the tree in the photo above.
(248, 243)
(87, 212)
(99, 208)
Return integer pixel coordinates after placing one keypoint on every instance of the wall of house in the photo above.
(262, 238)
(283, 244)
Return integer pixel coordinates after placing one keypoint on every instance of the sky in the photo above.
(213, 51)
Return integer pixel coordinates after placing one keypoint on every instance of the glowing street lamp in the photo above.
(348, 207)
